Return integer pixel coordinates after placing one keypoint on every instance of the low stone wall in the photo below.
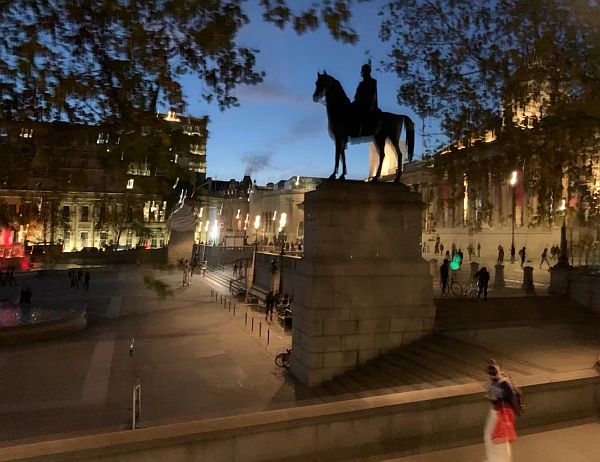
(222, 255)
(334, 431)
(71, 323)
(581, 287)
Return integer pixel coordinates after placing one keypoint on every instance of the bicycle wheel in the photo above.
(456, 289)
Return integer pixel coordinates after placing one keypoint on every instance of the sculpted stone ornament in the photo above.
(183, 218)
(362, 118)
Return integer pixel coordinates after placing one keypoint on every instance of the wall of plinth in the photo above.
(362, 287)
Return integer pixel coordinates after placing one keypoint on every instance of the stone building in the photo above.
(96, 186)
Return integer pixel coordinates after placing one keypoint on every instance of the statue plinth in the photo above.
(362, 287)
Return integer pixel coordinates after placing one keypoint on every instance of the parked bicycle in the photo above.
(469, 290)
(283, 359)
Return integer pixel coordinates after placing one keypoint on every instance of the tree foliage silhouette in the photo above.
(101, 60)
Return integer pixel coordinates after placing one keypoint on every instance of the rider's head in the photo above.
(365, 70)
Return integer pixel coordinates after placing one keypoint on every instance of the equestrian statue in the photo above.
(362, 118)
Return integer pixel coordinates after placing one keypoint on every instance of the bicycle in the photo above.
(283, 359)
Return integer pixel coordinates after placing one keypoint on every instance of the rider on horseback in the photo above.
(364, 106)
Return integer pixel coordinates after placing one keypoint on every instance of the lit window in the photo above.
(26, 133)
(130, 183)
(172, 117)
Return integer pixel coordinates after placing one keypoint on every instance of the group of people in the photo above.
(482, 276)
(554, 252)
(79, 278)
(240, 269)
(8, 277)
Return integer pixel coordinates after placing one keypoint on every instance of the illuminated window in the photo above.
(130, 183)
(172, 117)
(102, 138)
(26, 133)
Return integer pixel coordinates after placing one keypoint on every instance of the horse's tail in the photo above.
(410, 137)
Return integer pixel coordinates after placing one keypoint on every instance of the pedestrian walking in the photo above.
(444, 275)
(500, 254)
(483, 278)
(235, 270)
(86, 280)
(25, 298)
(470, 251)
(478, 250)
(522, 255)
(270, 304)
(499, 430)
(79, 277)
(10, 276)
(512, 253)
(545, 258)
(436, 248)
(441, 249)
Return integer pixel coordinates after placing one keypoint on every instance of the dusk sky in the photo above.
(278, 131)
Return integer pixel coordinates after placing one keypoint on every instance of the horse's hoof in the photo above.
(373, 179)
(332, 176)
(342, 177)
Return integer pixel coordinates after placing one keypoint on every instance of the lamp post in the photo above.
(513, 183)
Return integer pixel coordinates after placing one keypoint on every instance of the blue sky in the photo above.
(278, 131)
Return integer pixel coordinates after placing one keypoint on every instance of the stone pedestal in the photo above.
(474, 266)
(362, 287)
(528, 279)
(559, 280)
(434, 268)
(181, 245)
(499, 276)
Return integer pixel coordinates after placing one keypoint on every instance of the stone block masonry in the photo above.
(362, 287)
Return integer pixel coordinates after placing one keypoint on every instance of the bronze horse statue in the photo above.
(386, 126)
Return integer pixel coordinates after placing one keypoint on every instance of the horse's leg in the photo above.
(337, 160)
(340, 150)
(399, 157)
(380, 144)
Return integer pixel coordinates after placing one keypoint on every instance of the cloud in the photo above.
(270, 92)
(301, 129)
(255, 162)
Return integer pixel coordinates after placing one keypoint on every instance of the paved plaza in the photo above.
(197, 360)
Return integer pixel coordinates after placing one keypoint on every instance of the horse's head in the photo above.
(321, 86)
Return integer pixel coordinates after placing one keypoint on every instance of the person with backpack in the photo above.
(483, 278)
(505, 403)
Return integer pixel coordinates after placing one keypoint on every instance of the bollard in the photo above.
(268, 335)
(528, 279)
(234, 305)
(433, 268)
(499, 276)
(229, 306)
(259, 329)
(252, 325)
(245, 319)
(221, 299)
(474, 267)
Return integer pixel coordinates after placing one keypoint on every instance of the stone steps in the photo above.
(434, 361)
(221, 276)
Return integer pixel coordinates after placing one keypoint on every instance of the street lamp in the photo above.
(256, 226)
(513, 182)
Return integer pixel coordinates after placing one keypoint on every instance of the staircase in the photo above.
(434, 361)
(442, 359)
(221, 276)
